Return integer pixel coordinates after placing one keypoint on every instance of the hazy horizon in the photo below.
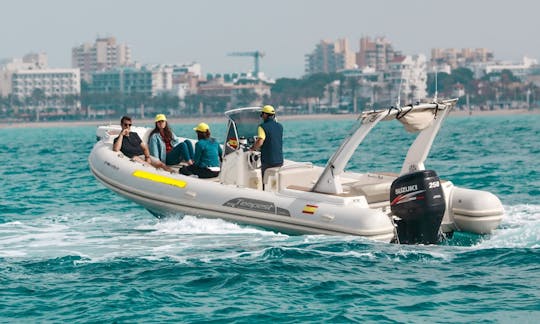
(166, 31)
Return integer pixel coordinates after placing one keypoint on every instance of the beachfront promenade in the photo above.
(216, 119)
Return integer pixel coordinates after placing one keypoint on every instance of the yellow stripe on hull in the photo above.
(159, 178)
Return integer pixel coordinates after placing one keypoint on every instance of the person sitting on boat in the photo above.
(208, 155)
(131, 145)
(269, 140)
(166, 146)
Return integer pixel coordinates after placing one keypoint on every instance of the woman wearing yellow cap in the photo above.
(166, 146)
(208, 154)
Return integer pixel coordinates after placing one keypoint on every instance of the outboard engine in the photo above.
(417, 199)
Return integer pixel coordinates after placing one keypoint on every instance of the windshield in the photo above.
(242, 128)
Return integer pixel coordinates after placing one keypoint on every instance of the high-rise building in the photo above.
(330, 57)
(103, 55)
(375, 53)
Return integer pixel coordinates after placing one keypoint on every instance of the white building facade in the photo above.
(31, 61)
(21, 77)
(519, 69)
(53, 82)
(408, 77)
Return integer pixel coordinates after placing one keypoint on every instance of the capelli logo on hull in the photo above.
(256, 205)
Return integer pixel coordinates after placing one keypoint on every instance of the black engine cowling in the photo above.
(417, 199)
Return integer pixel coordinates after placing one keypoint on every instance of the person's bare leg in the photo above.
(138, 159)
(159, 164)
(155, 163)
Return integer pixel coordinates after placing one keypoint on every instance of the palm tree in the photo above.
(37, 99)
(193, 102)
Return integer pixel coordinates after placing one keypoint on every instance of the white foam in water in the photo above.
(194, 225)
(103, 237)
(520, 228)
(18, 239)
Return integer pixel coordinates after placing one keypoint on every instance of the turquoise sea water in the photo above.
(72, 251)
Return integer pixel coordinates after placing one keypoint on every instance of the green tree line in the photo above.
(290, 92)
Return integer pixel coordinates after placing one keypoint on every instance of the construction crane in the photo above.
(256, 56)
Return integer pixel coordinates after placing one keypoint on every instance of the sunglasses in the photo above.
(128, 125)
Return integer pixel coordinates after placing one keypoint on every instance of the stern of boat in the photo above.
(470, 210)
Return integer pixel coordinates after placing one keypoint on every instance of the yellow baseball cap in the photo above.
(160, 117)
(202, 127)
(268, 110)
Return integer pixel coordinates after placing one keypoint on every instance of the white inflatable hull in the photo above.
(289, 211)
(301, 197)
(475, 211)
(164, 194)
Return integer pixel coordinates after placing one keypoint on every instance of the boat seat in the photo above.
(374, 192)
(299, 188)
(145, 136)
(270, 178)
(298, 174)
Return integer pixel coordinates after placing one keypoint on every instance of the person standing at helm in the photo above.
(269, 140)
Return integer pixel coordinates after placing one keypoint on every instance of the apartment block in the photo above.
(460, 57)
(103, 54)
(328, 57)
(145, 80)
(30, 61)
(407, 76)
(21, 77)
(521, 70)
(241, 91)
(53, 82)
(376, 53)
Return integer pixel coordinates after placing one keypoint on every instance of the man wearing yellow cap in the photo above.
(269, 140)
(131, 145)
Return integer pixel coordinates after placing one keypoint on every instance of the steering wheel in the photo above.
(254, 160)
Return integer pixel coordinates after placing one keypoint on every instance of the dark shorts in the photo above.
(203, 173)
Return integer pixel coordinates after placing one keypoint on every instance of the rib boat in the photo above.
(412, 207)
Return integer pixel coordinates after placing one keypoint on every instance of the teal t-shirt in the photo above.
(207, 153)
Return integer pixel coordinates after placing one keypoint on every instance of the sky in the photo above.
(204, 31)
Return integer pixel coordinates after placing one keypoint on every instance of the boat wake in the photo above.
(193, 225)
(95, 238)
(519, 229)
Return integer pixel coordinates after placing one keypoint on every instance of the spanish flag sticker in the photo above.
(310, 209)
(232, 142)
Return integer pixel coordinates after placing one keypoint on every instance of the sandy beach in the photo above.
(214, 119)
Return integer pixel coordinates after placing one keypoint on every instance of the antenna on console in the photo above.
(436, 86)
(398, 103)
